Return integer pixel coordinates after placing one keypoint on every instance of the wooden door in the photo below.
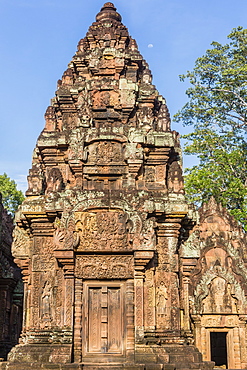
(104, 319)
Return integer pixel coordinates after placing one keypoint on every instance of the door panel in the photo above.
(114, 322)
(94, 302)
(104, 318)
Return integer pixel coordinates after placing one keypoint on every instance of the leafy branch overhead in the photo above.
(11, 197)
(217, 109)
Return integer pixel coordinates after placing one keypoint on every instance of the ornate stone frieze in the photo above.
(104, 267)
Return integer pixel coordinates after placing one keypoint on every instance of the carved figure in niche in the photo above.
(149, 173)
(83, 107)
(175, 178)
(50, 119)
(230, 302)
(161, 173)
(35, 184)
(75, 150)
(163, 119)
(70, 121)
(21, 242)
(214, 302)
(108, 152)
(46, 304)
(104, 99)
(161, 302)
(54, 181)
(67, 78)
(133, 228)
(148, 234)
(220, 298)
(145, 117)
(35, 178)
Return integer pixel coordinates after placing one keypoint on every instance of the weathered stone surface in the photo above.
(11, 288)
(98, 236)
(214, 284)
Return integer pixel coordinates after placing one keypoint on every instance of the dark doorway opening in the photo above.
(219, 348)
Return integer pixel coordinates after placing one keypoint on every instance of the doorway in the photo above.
(105, 332)
(218, 346)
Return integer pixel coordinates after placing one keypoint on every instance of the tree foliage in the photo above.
(217, 109)
(11, 197)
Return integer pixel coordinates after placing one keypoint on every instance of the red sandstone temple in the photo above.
(119, 272)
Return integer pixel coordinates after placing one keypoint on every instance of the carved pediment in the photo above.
(102, 230)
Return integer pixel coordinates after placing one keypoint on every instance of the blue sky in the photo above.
(39, 37)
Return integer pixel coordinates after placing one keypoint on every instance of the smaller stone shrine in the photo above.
(214, 287)
(11, 288)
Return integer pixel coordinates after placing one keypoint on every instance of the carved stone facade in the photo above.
(110, 281)
(11, 288)
(214, 287)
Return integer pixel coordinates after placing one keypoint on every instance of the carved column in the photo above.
(78, 320)
(167, 270)
(130, 315)
(149, 290)
(197, 333)
(24, 266)
(66, 259)
(186, 318)
(141, 259)
(242, 334)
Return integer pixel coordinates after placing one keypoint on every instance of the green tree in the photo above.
(11, 197)
(217, 110)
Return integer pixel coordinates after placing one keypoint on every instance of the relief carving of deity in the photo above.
(46, 304)
(102, 230)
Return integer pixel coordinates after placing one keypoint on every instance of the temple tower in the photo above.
(98, 235)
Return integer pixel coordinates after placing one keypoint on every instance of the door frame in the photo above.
(99, 356)
(229, 345)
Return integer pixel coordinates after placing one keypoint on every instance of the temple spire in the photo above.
(108, 11)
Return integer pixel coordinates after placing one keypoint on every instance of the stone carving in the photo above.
(54, 181)
(103, 99)
(145, 117)
(104, 267)
(175, 178)
(11, 286)
(104, 152)
(98, 236)
(83, 106)
(64, 236)
(163, 119)
(220, 298)
(148, 234)
(46, 305)
(161, 301)
(101, 230)
(21, 242)
(50, 119)
(108, 152)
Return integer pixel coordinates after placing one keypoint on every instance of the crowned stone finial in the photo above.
(108, 11)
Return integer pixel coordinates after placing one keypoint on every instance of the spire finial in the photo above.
(108, 11)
